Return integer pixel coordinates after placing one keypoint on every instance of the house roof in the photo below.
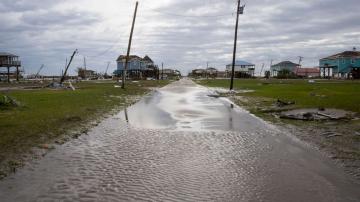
(211, 68)
(199, 70)
(345, 54)
(7, 54)
(122, 57)
(241, 63)
(286, 63)
(148, 59)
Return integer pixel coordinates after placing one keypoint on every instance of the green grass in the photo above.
(324, 93)
(47, 114)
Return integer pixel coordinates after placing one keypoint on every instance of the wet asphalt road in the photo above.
(179, 144)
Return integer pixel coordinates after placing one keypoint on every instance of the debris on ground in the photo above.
(280, 103)
(316, 114)
(56, 85)
(46, 146)
(214, 96)
(71, 86)
(330, 134)
(8, 101)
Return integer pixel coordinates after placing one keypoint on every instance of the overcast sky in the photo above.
(184, 34)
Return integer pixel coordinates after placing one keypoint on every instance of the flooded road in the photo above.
(179, 144)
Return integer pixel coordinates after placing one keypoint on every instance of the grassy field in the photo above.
(324, 93)
(45, 114)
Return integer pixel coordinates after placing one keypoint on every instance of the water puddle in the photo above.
(187, 107)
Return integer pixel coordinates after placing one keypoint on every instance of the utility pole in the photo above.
(206, 71)
(162, 71)
(300, 60)
(239, 11)
(85, 67)
(262, 68)
(271, 62)
(107, 68)
(129, 47)
(84, 62)
(67, 67)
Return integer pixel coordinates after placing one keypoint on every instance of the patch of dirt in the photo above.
(337, 138)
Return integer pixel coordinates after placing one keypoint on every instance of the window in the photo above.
(343, 61)
(352, 61)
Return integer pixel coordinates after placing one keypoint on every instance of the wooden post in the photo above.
(129, 47)
(235, 43)
(162, 71)
(8, 74)
(17, 73)
(67, 67)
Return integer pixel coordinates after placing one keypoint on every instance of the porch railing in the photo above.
(10, 63)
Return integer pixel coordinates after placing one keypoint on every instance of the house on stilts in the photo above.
(137, 68)
(8, 62)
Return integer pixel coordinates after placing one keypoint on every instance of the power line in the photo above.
(193, 16)
(188, 16)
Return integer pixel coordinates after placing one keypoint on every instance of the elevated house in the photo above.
(169, 74)
(341, 65)
(211, 72)
(242, 69)
(198, 73)
(7, 61)
(287, 66)
(138, 68)
(87, 74)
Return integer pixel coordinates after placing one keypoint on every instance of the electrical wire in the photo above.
(159, 12)
(186, 16)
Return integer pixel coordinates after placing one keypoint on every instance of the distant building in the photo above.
(341, 65)
(8, 60)
(243, 69)
(169, 74)
(198, 73)
(222, 74)
(138, 68)
(308, 72)
(284, 66)
(87, 74)
(211, 72)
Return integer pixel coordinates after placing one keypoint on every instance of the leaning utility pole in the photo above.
(300, 60)
(129, 47)
(240, 10)
(67, 67)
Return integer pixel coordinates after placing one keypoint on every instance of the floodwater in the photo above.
(179, 144)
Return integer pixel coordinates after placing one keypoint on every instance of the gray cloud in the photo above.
(48, 31)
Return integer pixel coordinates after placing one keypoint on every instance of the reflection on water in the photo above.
(187, 107)
(126, 115)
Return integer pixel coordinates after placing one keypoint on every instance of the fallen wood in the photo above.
(327, 115)
(281, 103)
